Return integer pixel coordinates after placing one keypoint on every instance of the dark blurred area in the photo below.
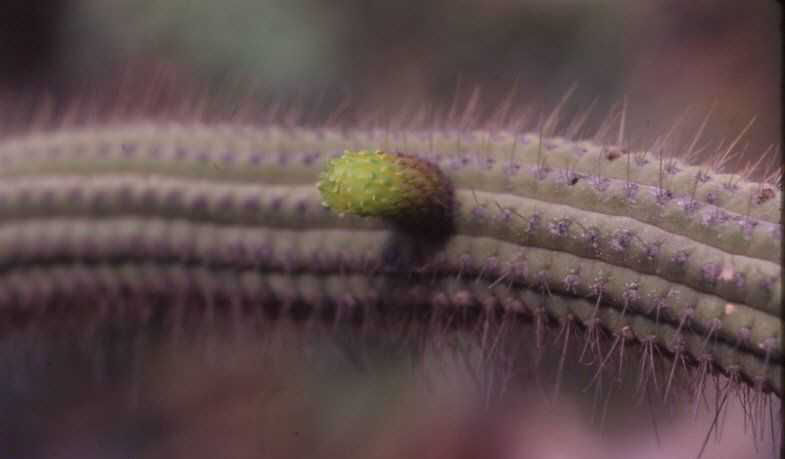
(31, 39)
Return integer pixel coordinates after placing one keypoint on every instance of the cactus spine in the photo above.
(646, 254)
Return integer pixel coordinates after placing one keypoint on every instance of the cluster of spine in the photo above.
(553, 228)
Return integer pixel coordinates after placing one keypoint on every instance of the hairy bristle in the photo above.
(642, 265)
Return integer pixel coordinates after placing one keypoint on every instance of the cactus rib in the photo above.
(687, 271)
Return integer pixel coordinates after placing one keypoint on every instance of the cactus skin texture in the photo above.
(378, 184)
(235, 210)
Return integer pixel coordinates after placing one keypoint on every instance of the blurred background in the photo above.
(672, 60)
(108, 396)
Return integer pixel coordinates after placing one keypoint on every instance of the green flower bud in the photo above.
(377, 184)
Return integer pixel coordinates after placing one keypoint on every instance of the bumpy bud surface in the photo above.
(378, 184)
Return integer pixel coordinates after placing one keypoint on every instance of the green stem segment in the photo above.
(644, 261)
